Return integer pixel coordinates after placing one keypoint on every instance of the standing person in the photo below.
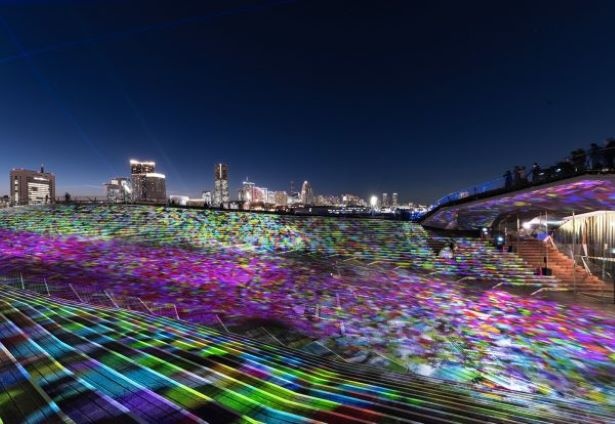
(507, 179)
(609, 152)
(453, 248)
(522, 176)
(595, 156)
(536, 170)
(516, 174)
(578, 158)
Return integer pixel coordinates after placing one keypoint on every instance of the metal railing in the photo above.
(592, 162)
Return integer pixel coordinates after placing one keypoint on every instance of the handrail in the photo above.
(548, 174)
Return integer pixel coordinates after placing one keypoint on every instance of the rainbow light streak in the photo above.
(100, 364)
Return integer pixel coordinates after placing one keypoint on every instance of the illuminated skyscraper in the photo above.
(221, 193)
(147, 185)
(206, 198)
(395, 202)
(385, 200)
(246, 194)
(118, 190)
(32, 187)
(307, 194)
(280, 198)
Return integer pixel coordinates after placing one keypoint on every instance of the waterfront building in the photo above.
(307, 193)
(118, 190)
(207, 199)
(32, 187)
(147, 185)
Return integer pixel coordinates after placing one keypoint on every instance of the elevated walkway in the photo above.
(584, 193)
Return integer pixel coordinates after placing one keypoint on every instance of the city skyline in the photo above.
(234, 193)
(310, 94)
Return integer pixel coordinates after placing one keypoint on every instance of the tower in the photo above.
(221, 192)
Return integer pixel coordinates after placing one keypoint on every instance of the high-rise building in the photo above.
(385, 200)
(280, 198)
(307, 194)
(206, 198)
(395, 201)
(32, 187)
(260, 195)
(221, 192)
(353, 200)
(246, 194)
(147, 185)
(118, 190)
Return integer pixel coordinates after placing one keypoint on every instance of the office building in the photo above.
(118, 190)
(307, 194)
(32, 187)
(246, 194)
(280, 198)
(207, 198)
(395, 201)
(385, 200)
(221, 191)
(147, 185)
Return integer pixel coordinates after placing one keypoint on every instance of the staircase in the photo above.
(478, 259)
(533, 252)
(66, 362)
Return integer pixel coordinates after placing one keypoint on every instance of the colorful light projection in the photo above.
(431, 326)
(581, 194)
(205, 229)
(90, 364)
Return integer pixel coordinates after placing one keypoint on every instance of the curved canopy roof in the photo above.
(586, 193)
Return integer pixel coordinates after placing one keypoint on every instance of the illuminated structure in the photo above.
(395, 201)
(128, 365)
(32, 187)
(581, 194)
(353, 200)
(203, 262)
(221, 190)
(373, 201)
(280, 198)
(246, 194)
(118, 190)
(385, 200)
(206, 198)
(307, 194)
(260, 195)
(147, 185)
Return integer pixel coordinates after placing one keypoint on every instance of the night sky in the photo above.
(419, 98)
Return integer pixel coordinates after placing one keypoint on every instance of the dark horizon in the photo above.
(356, 97)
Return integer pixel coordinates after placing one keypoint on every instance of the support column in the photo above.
(518, 230)
(574, 258)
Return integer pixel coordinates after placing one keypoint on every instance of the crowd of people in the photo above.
(595, 158)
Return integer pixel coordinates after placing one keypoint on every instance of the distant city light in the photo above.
(373, 201)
